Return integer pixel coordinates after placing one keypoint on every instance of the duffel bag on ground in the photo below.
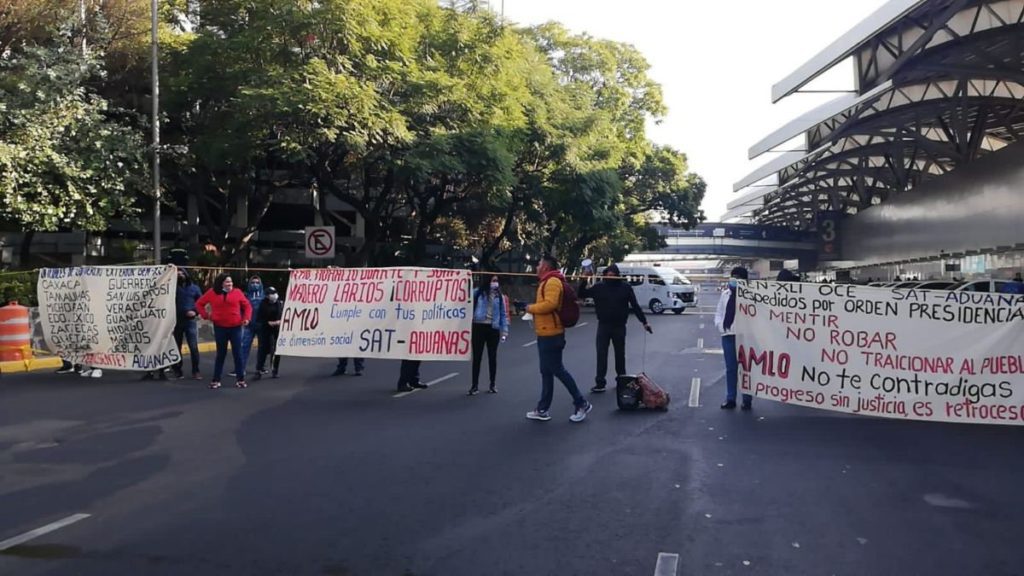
(652, 395)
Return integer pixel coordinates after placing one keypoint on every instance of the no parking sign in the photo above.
(319, 241)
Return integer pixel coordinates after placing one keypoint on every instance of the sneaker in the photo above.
(728, 405)
(420, 385)
(96, 373)
(197, 376)
(405, 388)
(68, 370)
(214, 385)
(599, 389)
(273, 374)
(746, 406)
(85, 373)
(338, 372)
(541, 415)
(581, 413)
(492, 390)
(472, 391)
(179, 375)
(359, 372)
(257, 376)
(241, 384)
(147, 376)
(264, 372)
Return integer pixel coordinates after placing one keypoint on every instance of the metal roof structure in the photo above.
(939, 84)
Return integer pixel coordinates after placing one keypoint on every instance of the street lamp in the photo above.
(154, 48)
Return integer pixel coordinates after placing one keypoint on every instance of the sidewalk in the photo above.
(53, 363)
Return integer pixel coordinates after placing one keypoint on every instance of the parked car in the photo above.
(936, 285)
(981, 286)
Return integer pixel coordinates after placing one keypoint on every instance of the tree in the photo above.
(68, 159)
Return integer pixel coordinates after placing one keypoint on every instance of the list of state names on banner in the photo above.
(396, 313)
(898, 353)
(115, 317)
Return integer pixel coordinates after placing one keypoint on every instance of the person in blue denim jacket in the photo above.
(490, 326)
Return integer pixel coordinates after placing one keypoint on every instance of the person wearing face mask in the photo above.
(185, 330)
(613, 302)
(230, 311)
(254, 293)
(269, 320)
(725, 314)
(490, 326)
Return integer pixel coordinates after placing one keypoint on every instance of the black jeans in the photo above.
(268, 347)
(410, 373)
(485, 335)
(617, 336)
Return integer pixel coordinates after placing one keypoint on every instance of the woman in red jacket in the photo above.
(230, 311)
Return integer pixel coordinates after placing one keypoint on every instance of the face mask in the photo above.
(494, 287)
(732, 283)
(272, 297)
(254, 286)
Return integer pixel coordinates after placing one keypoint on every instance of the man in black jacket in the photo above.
(613, 300)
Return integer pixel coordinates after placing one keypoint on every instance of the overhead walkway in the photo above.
(748, 241)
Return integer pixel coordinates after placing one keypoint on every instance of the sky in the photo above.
(716, 61)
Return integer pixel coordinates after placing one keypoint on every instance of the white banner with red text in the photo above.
(392, 313)
(112, 317)
(898, 353)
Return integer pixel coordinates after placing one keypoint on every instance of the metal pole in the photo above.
(156, 133)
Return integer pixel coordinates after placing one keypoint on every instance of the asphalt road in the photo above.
(316, 475)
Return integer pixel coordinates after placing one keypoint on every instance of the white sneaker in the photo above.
(97, 373)
(581, 413)
(538, 415)
(85, 373)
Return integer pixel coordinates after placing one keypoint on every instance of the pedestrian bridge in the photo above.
(740, 241)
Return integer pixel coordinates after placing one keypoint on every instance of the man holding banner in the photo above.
(725, 316)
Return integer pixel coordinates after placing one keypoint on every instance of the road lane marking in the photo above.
(701, 326)
(428, 384)
(528, 344)
(33, 534)
(668, 564)
(700, 343)
(581, 325)
(695, 392)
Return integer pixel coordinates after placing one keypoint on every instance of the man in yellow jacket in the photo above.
(551, 343)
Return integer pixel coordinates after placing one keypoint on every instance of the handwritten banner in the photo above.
(913, 354)
(113, 317)
(396, 313)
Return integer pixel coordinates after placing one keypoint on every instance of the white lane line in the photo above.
(668, 564)
(33, 534)
(528, 344)
(695, 392)
(581, 325)
(701, 326)
(429, 384)
(700, 343)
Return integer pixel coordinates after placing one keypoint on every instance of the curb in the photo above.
(49, 363)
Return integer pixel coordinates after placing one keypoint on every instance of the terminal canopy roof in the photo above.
(939, 84)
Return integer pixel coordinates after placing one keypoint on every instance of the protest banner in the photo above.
(897, 353)
(113, 317)
(395, 313)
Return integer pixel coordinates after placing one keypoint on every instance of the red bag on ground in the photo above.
(654, 396)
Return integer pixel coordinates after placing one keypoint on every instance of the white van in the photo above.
(659, 288)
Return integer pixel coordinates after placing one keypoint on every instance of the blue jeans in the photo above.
(185, 332)
(732, 367)
(223, 336)
(250, 333)
(550, 350)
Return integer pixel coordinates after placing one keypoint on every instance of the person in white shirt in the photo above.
(725, 314)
